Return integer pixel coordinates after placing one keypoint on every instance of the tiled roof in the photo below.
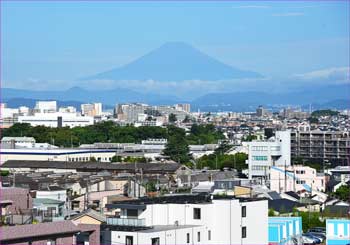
(92, 213)
(86, 166)
(36, 230)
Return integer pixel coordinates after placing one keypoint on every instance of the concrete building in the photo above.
(92, 110)
(296, 178)
(46, 106)
(188, 219)
(60, 154)
(338, 231)
(61, 232)
(67, 109)
(285, 230)
(262, 112)
(332, 146)
(57, 119)
(18, 141)
(130, 112)
(183, 107)
(262, 155)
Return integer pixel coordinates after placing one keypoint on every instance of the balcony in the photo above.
(126, 222)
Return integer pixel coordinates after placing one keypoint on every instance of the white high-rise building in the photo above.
(94, 109)
(262, 155)
(98, 109)
(183, 107)
(46, 106)
(67, 109)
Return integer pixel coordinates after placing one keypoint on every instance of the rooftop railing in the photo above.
(126, 222)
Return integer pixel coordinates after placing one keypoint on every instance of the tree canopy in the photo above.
(320, 113)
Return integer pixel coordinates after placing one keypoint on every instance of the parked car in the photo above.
(313, 238)
(321, 230)
(307, 240)
(318, 235)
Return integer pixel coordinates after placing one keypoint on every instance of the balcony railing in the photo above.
(126, 222)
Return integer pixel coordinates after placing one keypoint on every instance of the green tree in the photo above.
(320, 113)
(172, 118)
(250, 137)
(311, 219)
(117, 158)
(187, 119)
(271, 212)
(343, 192)
(177, 147)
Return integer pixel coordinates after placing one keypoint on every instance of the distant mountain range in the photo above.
(174, 61)
(335, 96)
(321, 97)
(108, 97)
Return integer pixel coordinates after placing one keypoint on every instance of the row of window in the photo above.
(259, 148)
(197, 212)
(259, 168)
(86, 159)
(259, 158)
(300, 171)
(301, 182)
(266, 148)
(129, 240)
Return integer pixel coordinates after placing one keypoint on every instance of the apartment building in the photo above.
(296, 178)
(46, 106)
(332, 146)
(262, 155)
(187, 219)
(94, 109)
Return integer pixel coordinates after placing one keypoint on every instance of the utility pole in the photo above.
(285, 176)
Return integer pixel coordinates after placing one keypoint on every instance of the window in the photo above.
(155, 241)
(51, 242)
(260, 158)
(209, 235)
(188, 238)
(196, 213)
(244, 232)
(275, 148)
(129, 240)
(259, 148)
(198, 236)
(301, 182)
(244, 211)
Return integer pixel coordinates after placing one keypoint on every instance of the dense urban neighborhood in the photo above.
(146, 174)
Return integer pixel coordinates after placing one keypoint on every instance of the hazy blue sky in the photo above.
(57, 42)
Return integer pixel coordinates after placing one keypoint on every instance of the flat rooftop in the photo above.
(169, 167)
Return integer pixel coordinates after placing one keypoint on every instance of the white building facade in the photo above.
(264, 154)
(57, 119)
(220, 221)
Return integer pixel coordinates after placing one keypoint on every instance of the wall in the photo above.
(222, 217)
(20, 197)
(338, 231)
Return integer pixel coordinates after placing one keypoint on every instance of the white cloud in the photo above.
(340, 74)
(290, 14)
